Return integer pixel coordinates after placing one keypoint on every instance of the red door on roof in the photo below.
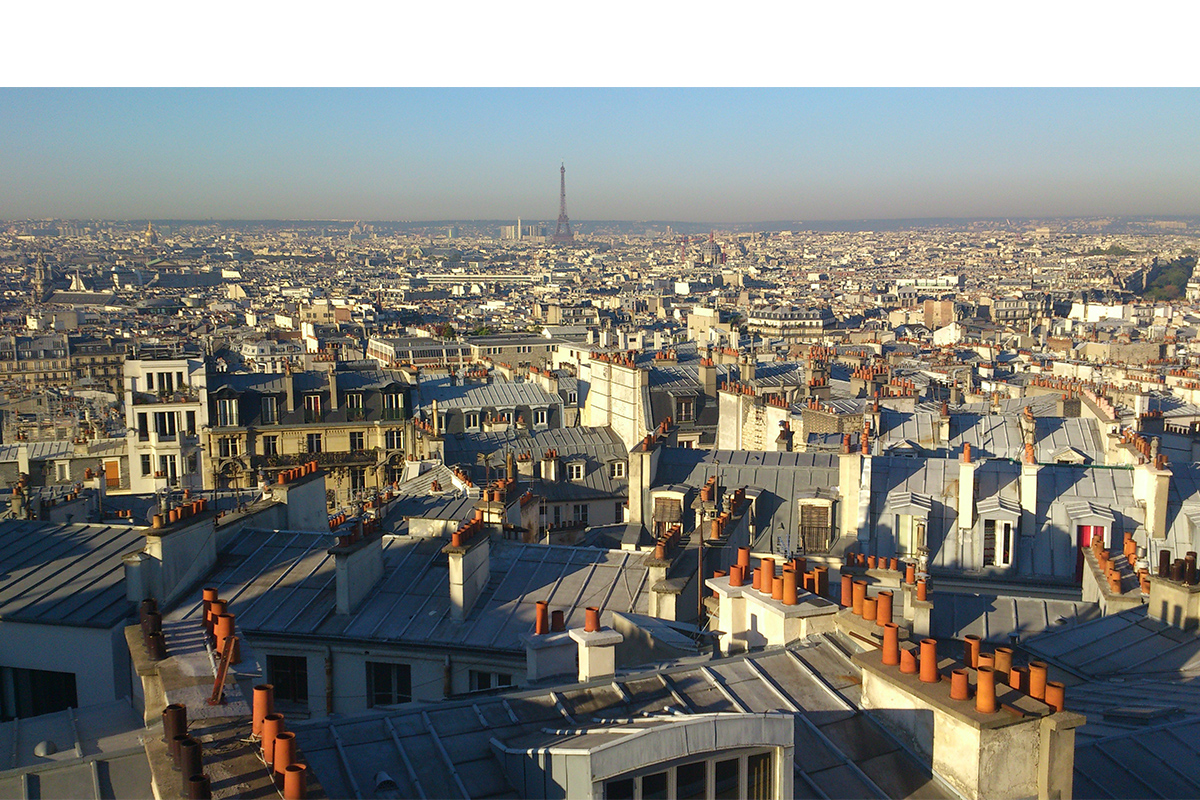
(1084, 536)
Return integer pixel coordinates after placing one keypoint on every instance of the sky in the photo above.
(733, 155)
(146, 135)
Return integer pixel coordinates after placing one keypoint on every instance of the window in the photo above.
(358, 479)
(616, 469)
(997, 543)
(167, 466)
(573, 398)
(227, 413)
(471, 419)
(619, 512)
(289, 675)
(654, 787)
(759, 777)
(354, 406)
(229, 447)
(312, 407)
(575, 471)
(33, 692)
(388, 684)
(580, 513)
(393, 406)
(441, 423)
(314, 443)
(150, 381)
(143, 427)
(270, 445)
(910, 533)
(394, 439)
(145, 464)
(684, 410)
(815, 530)
(481, 681)
(725, 780)
(191, 423)
(270, 410)
(690, 781)
(557, 516)
(358, 440)
(62, 471)
(164, 425)
(539, 416)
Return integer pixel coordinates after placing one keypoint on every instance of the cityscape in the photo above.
(592, 477)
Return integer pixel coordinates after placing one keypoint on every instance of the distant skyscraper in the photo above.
(562, 234)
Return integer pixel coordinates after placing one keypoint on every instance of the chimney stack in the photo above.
(597, 647)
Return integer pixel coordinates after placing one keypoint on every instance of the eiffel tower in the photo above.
(562, 234)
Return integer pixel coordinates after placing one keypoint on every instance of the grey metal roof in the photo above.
(479, 395)
(39, 451)
(781, 477)
(1159, 761)
(282, 582)
(1129, 643)
(444, 750)
(994, 435)
(997, 618)
(65, 574)
(99, 754)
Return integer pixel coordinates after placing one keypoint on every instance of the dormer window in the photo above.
(312, 407)
(685, 409)
(575, 471)
(227, 413)
(616, 469)
(997, 543)
(270, 410)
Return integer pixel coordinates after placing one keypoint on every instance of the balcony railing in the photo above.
(331, 459)
(186, 394)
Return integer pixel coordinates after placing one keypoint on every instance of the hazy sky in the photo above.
(722, 155)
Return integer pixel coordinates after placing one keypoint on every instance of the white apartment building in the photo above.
(166, 408)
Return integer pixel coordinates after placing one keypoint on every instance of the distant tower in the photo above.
(151, 236)
(41, 280)
(562, 234)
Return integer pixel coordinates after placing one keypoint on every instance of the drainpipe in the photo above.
(328, 680)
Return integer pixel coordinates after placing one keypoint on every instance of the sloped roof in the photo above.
(445, 750)
(283, 583)
(65, 574)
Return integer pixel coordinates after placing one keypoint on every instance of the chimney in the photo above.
(357, 568)
(1151, 486)
(1029, 492)
(597, 647)
(333, 388)
(510, 466)
(966, 490)
(853, 467)
(548, 653)
(470, 568)
(708, 376)
(979, 760)
(944, 425)
(551, 467)
(749, 363)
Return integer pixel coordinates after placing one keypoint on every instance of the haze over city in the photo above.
(721, 155)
